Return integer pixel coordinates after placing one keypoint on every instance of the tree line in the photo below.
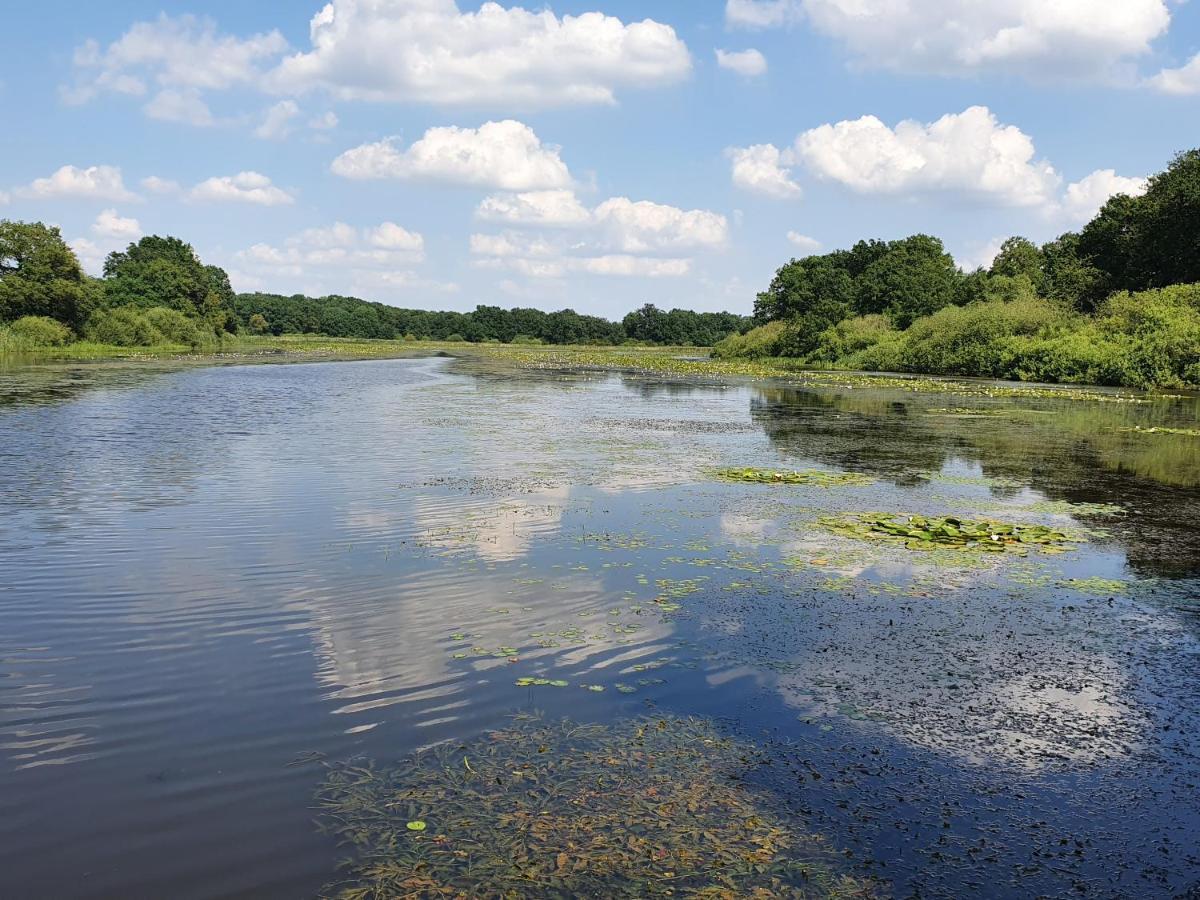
(1115, 303)
(158, 291)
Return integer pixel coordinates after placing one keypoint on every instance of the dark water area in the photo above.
(216, 580)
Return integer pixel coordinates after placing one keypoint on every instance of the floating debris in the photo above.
(813, 477)
(949, 533)
(1178, 432)
(644, 808)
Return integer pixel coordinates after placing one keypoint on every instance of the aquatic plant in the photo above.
(806, 477)
(1179, 432)
(949, 533)
(644, 808)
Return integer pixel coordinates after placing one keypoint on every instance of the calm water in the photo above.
(214, 577)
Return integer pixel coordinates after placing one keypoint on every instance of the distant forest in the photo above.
(158, 292)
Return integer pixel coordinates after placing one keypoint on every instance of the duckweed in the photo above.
(808, 477)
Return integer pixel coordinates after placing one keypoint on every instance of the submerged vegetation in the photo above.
(643, 808)
(809, 477)
(1117, 304)
(949, 533)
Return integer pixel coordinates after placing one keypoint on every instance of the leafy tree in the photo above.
(916, 277)
(165, 271)
(1019, 256)
(40, 276)
(258, 324)
(1066, 276)
(804, 285)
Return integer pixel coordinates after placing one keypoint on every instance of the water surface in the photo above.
(217, 578)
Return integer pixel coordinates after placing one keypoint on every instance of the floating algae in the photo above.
(644, 808)
(949, 533)
(812, 477)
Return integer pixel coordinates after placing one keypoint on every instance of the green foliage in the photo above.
(755, 344)
(40, 331)
(258, 324)
(166, 272)
(1019, 257)
(124, 326)
(174, 326)
(40, 276)
(914, 278)
(851, 336)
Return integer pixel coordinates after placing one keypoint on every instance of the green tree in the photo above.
(40, 276)
(1066, 276)
(1019, 256)
(916, 277)
(807, 285)
(165, 271)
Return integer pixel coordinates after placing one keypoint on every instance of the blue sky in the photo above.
(595, 155)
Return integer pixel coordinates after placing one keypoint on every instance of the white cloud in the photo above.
(619, 237)
(558, 208)
(277, 121)
(184, 106)
(5, 198)
(245, 187)
(980, 256)
(969, 153)
(762, 13)
(762, 170)
(1184, 80)
(156, 185)
(1069, 38)
(94, 182)
(645, 227)
(91, 257)
(341, 258)
(803, 242)
(1084, 198)
(503, 155)
(180, 55)
(110, 225)
(428, 51)
(748, 63)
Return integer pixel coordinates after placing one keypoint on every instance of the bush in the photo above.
(40, 331)
(174, 326)
(852, 336)
(527, 339)
(122, 327)
(456, 339)
(766, 340)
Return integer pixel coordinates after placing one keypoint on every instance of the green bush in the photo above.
(765, 340)
(174, 326)
(852, 336)
(527, 339)
(40, 331)
(122, 327)
(456, 339)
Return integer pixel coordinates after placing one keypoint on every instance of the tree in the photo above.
(40, 276)
(1019, 256)
(258, 324)
(916, 277)
(165, 271)
(1065, 274)
(804, 285)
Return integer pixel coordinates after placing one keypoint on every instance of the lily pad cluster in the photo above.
(811, 477)
(950, 533)
(644, 808)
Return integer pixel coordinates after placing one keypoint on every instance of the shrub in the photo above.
(456, 339)
(122, 327)
(527, 339)
(852, 336)
(40, 331)
(765, 340)
(258, 324)
(174, 326)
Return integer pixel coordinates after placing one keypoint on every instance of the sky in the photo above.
(585, 154)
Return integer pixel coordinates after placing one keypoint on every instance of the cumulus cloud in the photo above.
(803, 242)
(90, 255)
(1070, 38)
(340, 245)
(175, 58)
(1184, 80)
(618, 237)
(560, 208)
(970, 156)
(504, 155)
(245, 187)
(1084, 198)
(277, 121)
(747, 63)
(324, 122)
(110, 225)
(429, 51)
(94, 182)
(762, 169)
(370, 261)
